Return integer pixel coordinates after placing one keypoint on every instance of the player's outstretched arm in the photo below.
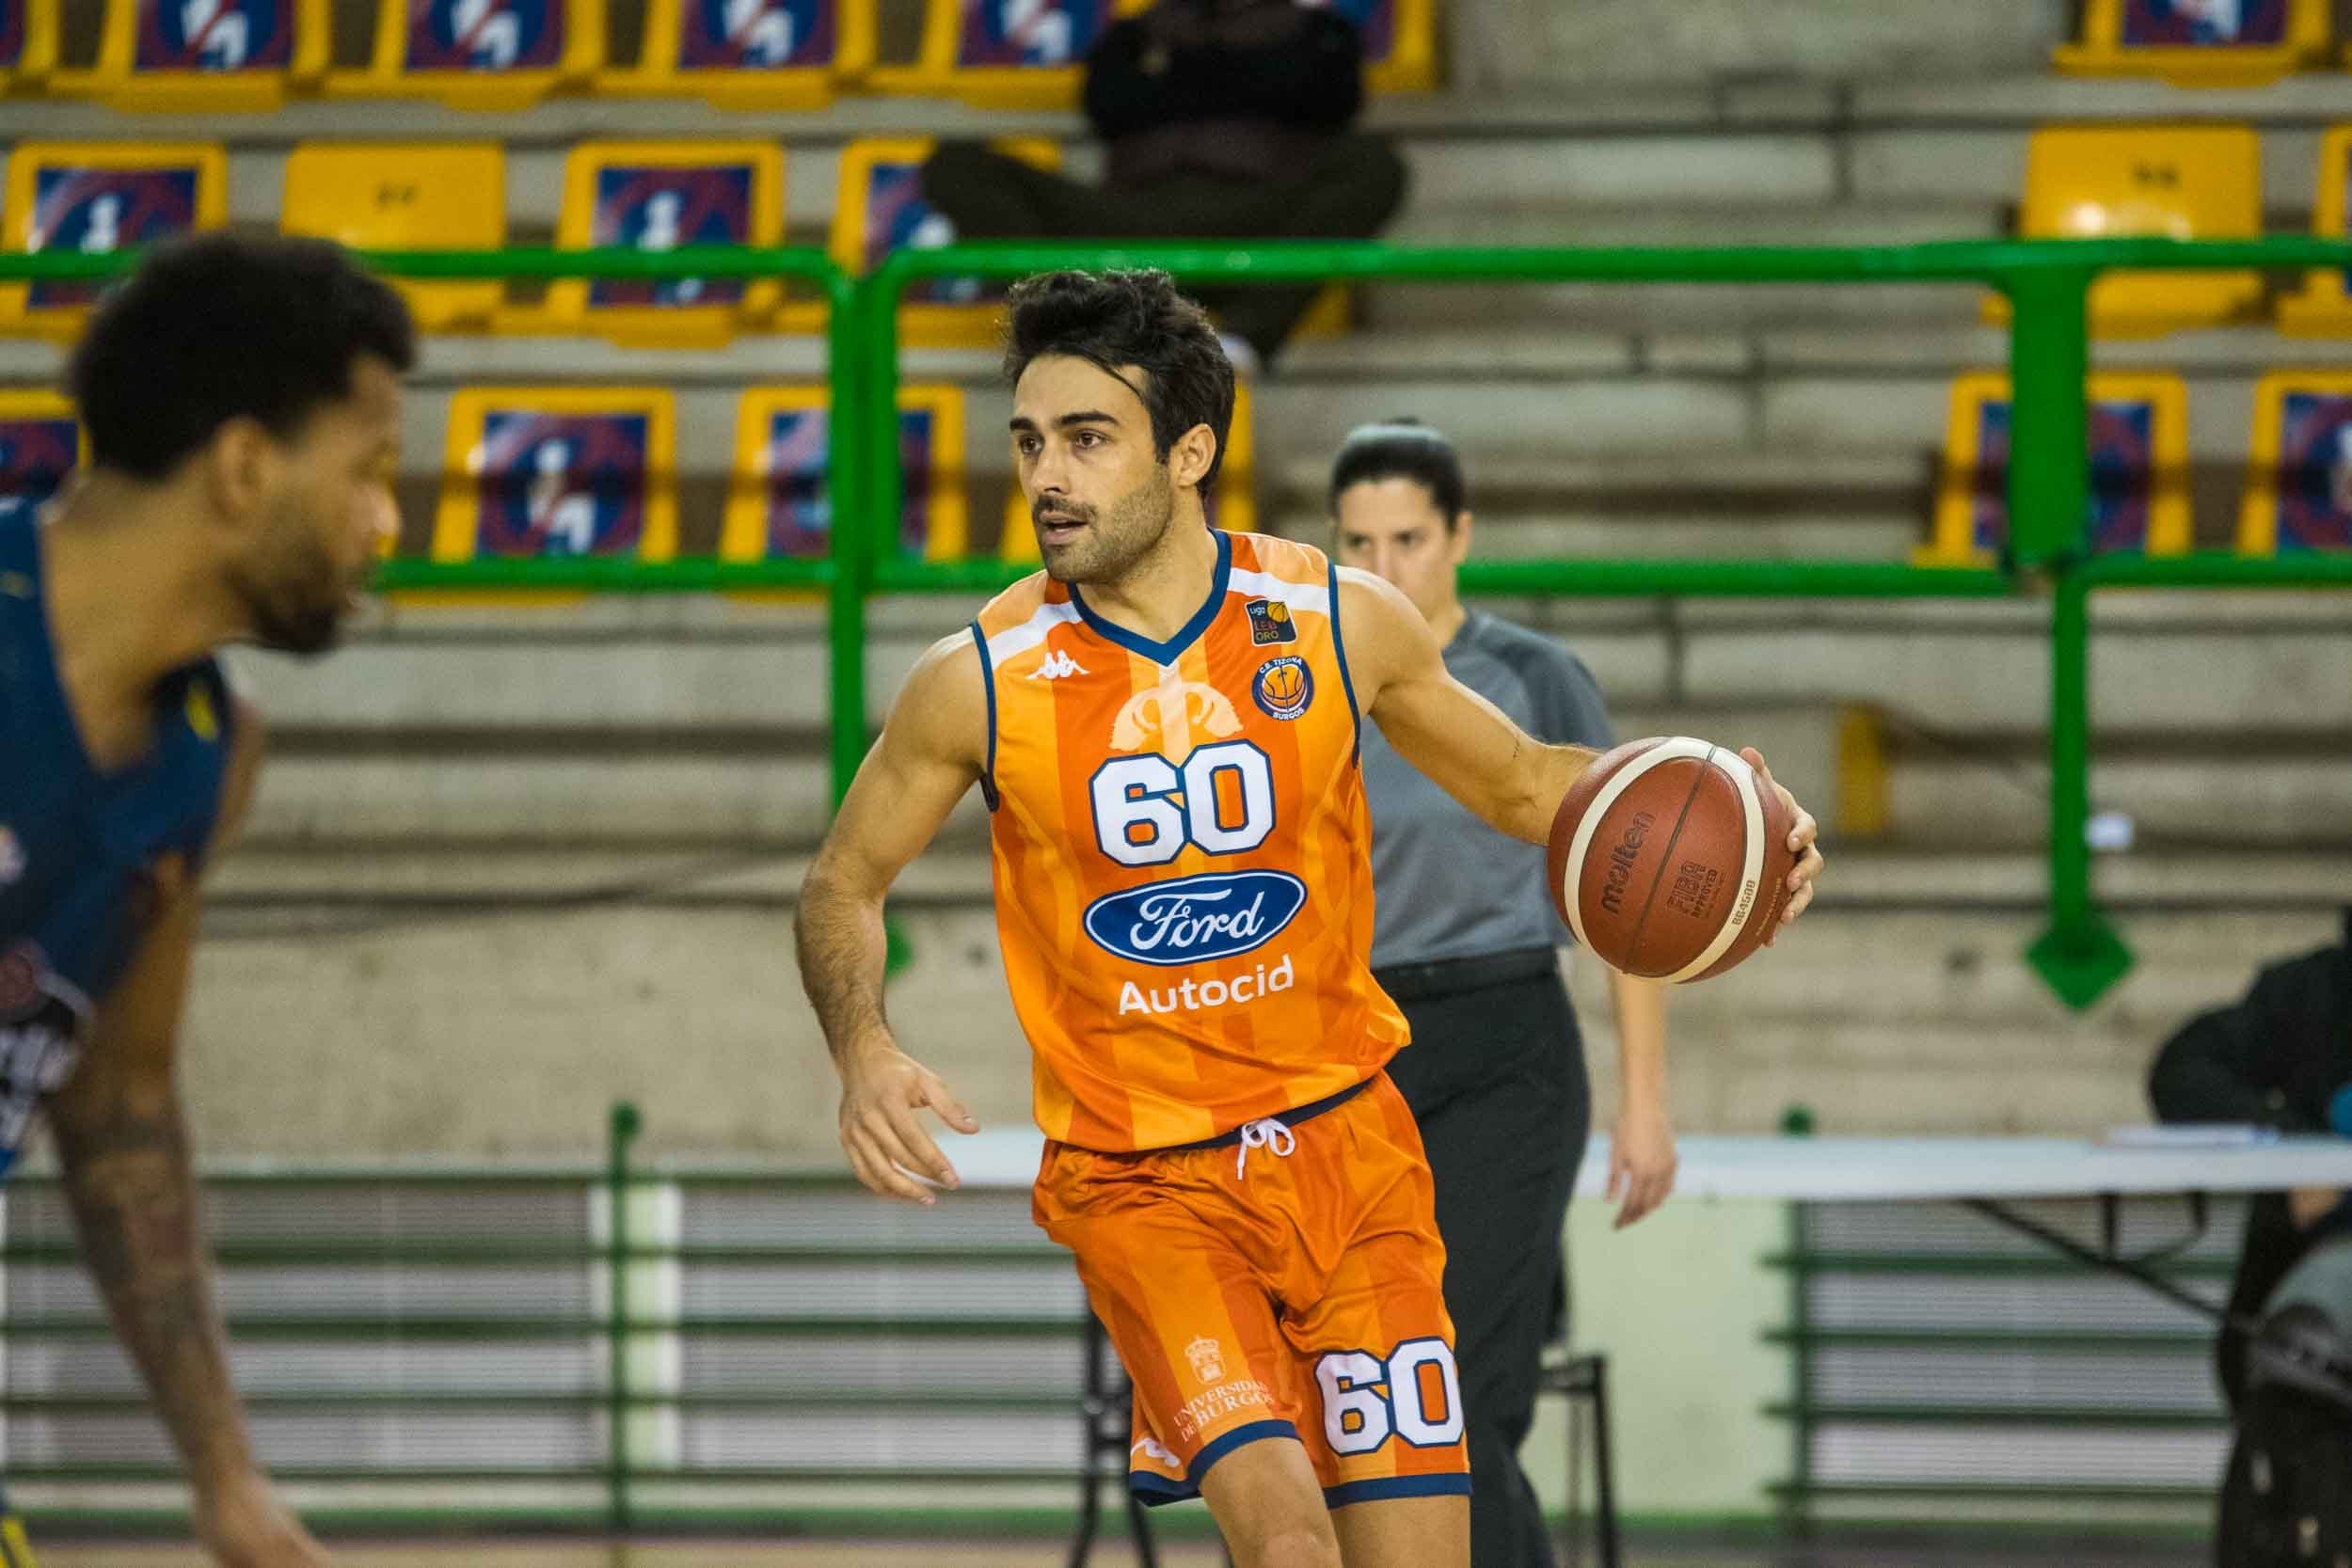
(1471, 748)
(1468, 746)
(123, 1148)
(933, 749)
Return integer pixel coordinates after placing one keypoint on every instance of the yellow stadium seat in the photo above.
(2186, 181)
(41, 444)
(540, 471)
(777, 504)
(657, 196)
(375, 196)
(2139, 468)
(1004, 54)
(2298, 487)
(2322, 308)
(1400, 41)
(28, 42)
(202, 57)
(492, 55)
(2197, 42)
(96, 197)
(1233, 504)
(880, 207)
(750, 54)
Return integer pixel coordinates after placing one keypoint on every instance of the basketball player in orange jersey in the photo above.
(1163, 723)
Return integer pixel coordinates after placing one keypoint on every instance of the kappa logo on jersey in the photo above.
(1163, 720)
(1057, 665)
(1283, 687)
(12, 856)
(1270, 621)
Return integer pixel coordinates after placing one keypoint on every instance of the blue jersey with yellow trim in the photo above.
(85, 858)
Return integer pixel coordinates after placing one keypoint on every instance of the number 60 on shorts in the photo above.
(1416, 1395)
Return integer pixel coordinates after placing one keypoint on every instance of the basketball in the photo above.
(1670, 858)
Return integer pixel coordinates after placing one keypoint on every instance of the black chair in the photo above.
(1584, 1380)
(1105, 1408)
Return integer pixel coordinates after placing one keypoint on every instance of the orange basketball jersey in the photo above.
(1184, 883)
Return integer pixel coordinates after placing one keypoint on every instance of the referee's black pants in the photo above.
(1496, 1076)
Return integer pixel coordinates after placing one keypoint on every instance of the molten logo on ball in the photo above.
(1621, 861)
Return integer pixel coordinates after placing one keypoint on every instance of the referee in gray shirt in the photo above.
(1466, 943)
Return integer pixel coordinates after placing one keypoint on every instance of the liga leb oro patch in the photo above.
(1270, 621)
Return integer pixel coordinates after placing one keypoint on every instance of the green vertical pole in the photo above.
(620, 1136)
(886, 495)
(848, 477)
(2078, 954)
(1797, 1507)
(884, 492)
(2049, 431)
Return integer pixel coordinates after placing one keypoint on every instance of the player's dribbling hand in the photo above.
(1802, 834)
(244, 1525)
(882, 1090)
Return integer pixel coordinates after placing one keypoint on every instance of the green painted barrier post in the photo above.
(621, 1139)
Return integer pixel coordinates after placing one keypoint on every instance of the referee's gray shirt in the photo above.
(1448, 885)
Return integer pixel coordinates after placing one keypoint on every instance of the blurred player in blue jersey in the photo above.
(241, 400)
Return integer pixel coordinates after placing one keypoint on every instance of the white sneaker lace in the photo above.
(1267, 1134)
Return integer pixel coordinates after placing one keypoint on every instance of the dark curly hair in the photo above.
(220, 328)
(1115, 319)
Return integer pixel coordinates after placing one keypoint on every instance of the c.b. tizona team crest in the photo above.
(1284, 686)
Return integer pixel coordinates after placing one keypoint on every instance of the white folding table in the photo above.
(1849, 1169)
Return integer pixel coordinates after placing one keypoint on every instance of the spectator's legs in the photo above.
(1349, 192)
(990, 195)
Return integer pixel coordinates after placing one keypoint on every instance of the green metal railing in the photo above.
(2047, 283)
(1893, 1325)
(574, 1231)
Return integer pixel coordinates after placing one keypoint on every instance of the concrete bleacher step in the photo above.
(700, 722)
(1441, 216)
(1880, 1019)
(2276, 795)
(1741, 503)
(2183, 662)
(2031, 97)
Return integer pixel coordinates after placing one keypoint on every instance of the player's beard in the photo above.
(294, 592)
(1116, 539)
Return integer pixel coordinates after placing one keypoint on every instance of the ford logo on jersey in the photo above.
(1196, 919)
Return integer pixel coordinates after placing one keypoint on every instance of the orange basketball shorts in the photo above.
(1289, 1285)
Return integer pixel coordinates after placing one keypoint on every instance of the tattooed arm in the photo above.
(125, 1153)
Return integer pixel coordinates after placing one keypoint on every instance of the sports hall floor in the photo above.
(1042, 1554)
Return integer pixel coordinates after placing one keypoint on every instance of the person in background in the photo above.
(1466, 943)
(2279, 1056)
(1220, 118)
